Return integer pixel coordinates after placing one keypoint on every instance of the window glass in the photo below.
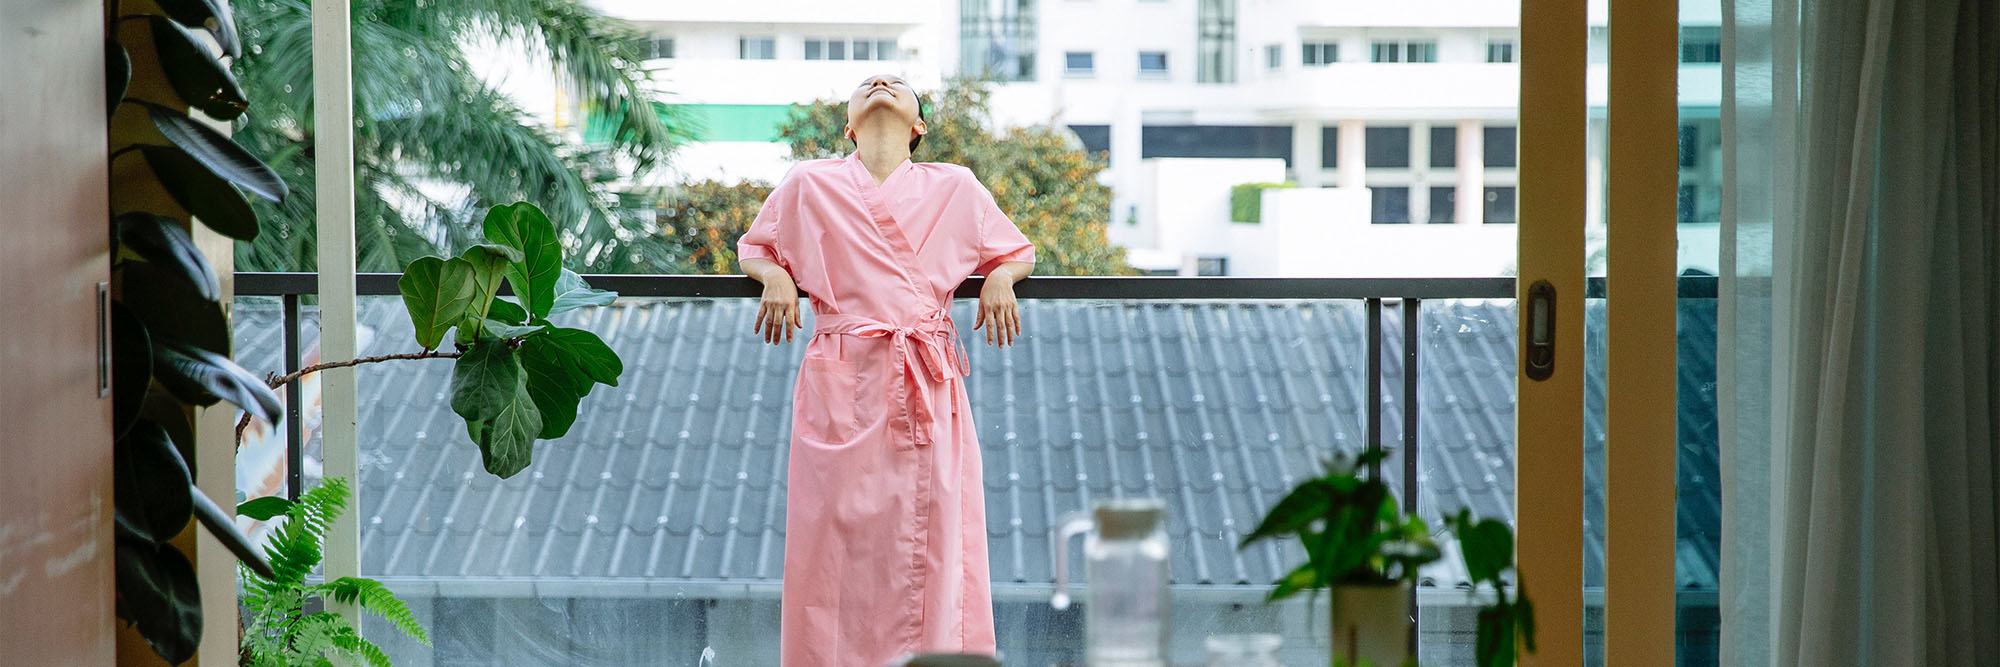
(757, 48)
(815, 49)
(1444, 204)
(1329, 146)
(1701, 44)
(1444, 145)
(1389, 205)
(1078, 62)
(1500, 52)
(1500, 204)
(1500, 149)
(885, 49)
(1388, 147)
(1386, 52)
(1420, 52)
(1273, 56)
(836, 49)
(1152, 62)
(864, 50)
(660, 47)
(1320, 53)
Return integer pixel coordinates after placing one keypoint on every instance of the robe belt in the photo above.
(929, 347)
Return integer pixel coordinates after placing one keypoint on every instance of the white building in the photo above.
(1410, 106)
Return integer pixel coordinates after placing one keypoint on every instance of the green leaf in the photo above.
(524, 227)
(437, 293)
(262, 509)
(131, 367)
(505, 310)
(1488, 547)
(504, 331)
(483, 381)
(1307, 502)
(197, 76)
(374, 597)
(1493, 643)
(201, 377)
(158, 592)
(554, 385)
(212, 201)
(150, 484)
(165, 243)
(197, 14)
(117, 73)
(217, 153)
(489, 264)
(506, 440)
(161, 407)
(172, 308)
(1300, 579)
(573, 293)
(585, 352)
(1524, 613)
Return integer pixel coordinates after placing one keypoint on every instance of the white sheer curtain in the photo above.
(1860, 369)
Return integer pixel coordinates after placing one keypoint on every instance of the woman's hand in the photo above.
(998, 312)
(778, 315)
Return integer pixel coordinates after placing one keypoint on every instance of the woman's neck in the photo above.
(881, 152)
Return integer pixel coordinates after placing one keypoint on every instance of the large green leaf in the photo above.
(161, 407)
(262, 509)
(489, 265)
(162, 241)
(504, 331)
(117, 73)
(1306, 503)
(499, 413)
(150, 484)
(1488, 547)
(437, 292)
(573, 293)
(586, 353)
(524, 227)
(555, 386)
(197, 75)
(198, 13)
(171, 308)
(158, 592)
(211, 200)
(505, 310)
(200, 377)
(217, 153)
(484, 381)
(131, 367)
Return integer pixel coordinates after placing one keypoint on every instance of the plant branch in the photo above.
(277, 381)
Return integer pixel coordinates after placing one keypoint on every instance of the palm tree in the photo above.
(434, 143)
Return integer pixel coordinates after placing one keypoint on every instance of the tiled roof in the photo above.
(678, 474)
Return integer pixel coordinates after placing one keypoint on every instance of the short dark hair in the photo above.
(915, 140)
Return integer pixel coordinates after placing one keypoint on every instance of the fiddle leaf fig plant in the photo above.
(1508, 624)
(167, 80)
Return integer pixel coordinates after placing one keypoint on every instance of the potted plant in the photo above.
(1360, 547)
(282, 631)
(1507, 625)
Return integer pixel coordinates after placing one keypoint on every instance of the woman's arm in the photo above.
(778, 315)
(997, 306)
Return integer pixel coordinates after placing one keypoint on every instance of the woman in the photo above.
(885, 525)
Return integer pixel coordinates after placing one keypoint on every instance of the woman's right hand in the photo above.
(778, 315)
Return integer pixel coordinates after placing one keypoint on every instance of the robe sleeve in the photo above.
(1000, 241)
(762, 241)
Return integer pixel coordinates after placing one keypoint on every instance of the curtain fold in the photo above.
(1861, 301)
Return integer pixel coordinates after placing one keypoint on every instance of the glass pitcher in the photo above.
(1125, 558)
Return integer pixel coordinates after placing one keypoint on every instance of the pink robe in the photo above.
(885, 523)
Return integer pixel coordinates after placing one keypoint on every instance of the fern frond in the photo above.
(374, 597)
(350, 642)
(295, 544)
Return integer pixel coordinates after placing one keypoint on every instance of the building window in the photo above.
(660, 47)
(1215, 45)
(1685, 202)
(885, 49)
(1079, 63)
(1211, 266)
(1500, 52)
(1329, 147)
(1690, 140)
(1420, 52)
(1701, 44)
(1235, 141)
(815, 49)
(1389, 206)
(1500, 205)
(1444, 145)
(1274, 56)
(1386, 52)
(757, 48)
(864, 49)
(1444, 205)
(1388, 147)
(1499, 146)
(1152, 63)
(997, 39)
(1319, 53)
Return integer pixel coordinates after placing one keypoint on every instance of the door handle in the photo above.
(1538, 344)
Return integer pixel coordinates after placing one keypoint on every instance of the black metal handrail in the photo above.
(1372, 292)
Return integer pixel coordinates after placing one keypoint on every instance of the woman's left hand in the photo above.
(998, 313)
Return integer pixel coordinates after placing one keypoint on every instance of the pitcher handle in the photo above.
(1071, 525)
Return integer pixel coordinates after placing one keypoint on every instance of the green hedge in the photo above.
(1246, 201)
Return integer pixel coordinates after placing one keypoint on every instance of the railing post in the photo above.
(1374, 411)
(1411, 308)
(295, 428)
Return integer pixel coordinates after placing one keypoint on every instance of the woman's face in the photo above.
(883, 94)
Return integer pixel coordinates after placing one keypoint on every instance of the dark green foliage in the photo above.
(170, 342)
(280, 633)
(1351, 528)
(1488, 548)
(1246, 201)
